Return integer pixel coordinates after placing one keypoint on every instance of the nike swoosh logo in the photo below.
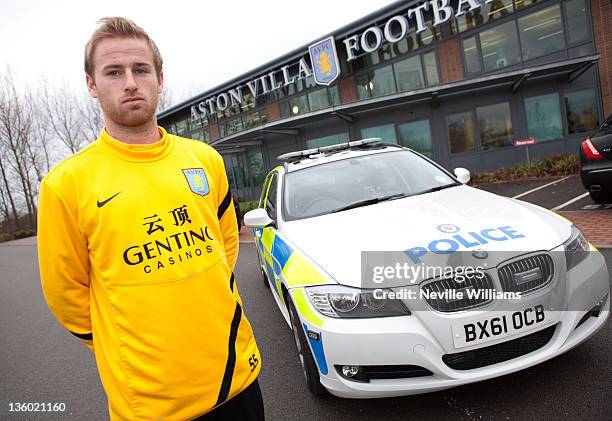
(100, 204)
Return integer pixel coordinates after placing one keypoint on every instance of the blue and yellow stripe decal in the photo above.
(317, 350)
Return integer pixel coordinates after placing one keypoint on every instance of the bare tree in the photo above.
(15, 132)
(7, 195)
(65, 120)
(165, 99)
(91, 117)
(42, 137)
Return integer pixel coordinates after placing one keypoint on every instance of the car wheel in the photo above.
(601, 197)
(309, 367)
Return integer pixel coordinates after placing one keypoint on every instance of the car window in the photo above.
(271, 197)
(324, 188)
(606, 127)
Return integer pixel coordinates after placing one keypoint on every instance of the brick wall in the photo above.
(348, 91)
(449, 55)
(602, 20)
(273, 111)
(214, 132)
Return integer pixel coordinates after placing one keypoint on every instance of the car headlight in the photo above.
(344, 302)
(576, 248)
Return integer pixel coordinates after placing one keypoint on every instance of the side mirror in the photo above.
(462, 175)
(257, 218)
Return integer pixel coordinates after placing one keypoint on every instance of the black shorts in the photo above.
(246, 406)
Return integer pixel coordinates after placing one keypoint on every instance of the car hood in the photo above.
(462, 217)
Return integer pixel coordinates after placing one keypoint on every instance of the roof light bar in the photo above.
(323, 149)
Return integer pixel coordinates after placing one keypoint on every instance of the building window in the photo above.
(494, 125)
(234, 165)
(385, 132)
(230, 126)
(431, 33)
(521, 4)
(255, 166)
(253, 119)
(417, 136)
(461, 132)
(375, 83)
(312, 101)
(334, 95)
(431, 68)
(195, 123)
(201, 135)
(318, 99)
(294, 106)
(327, 140)
(409, 74)
(500, 47)
(544, 117)
(577, 21)
(488, 12)
(581, 111)
(181, 128)
(541, 32)
(410, 42)
(470, 55)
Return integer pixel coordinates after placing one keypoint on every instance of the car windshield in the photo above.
(359, 181)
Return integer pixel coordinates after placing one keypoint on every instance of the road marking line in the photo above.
(569, 202)
(540, 187)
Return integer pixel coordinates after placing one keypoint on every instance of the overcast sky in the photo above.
(203, 43)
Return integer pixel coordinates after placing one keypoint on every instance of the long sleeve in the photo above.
(227, 217)
(64, 264)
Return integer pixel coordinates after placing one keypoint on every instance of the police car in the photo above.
(346, 235)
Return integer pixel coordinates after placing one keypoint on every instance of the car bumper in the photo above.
(407, 340)
(597, 174)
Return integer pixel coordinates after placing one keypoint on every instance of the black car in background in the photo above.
(596, 163)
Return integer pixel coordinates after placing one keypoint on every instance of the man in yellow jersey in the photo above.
(137, 241)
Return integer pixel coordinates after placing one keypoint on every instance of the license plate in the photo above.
(500, 325)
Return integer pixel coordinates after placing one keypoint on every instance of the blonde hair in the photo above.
(118, 27)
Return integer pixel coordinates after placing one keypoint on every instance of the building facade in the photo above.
(457, 80)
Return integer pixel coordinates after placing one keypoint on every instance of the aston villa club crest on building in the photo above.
(324, 59)
(196, 178)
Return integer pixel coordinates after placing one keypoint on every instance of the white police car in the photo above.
(346, 235)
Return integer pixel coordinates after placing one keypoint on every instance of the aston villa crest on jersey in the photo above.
(324, 59)
(196, 178)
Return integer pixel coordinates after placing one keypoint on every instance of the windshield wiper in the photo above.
(371, 201)
(438, 188)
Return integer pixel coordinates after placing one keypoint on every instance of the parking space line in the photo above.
(540, 187)
(569, 202)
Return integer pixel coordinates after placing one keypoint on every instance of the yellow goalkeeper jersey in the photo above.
(136, 246)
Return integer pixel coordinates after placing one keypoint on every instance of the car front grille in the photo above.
(494, 354)
(481, 281)
(527, 274)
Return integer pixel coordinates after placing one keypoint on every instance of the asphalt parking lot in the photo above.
(41, 362)
(566, 196)
(559, 193)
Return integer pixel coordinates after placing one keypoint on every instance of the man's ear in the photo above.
(91, 86)
(160, 84)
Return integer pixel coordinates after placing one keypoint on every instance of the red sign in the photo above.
(524, 142)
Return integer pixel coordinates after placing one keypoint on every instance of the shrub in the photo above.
(4, 237)
(557, 165)
(247, 206)
(22, 234)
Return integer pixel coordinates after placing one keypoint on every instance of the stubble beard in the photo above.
(129, 117)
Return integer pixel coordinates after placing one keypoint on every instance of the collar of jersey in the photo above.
(137, 152)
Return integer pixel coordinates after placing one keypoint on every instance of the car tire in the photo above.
(265, 278)
(308, 365)
(601, 197)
